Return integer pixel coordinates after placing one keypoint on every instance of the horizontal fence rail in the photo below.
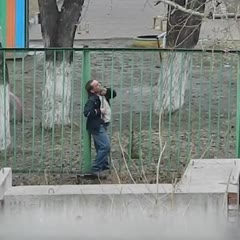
(170, 107)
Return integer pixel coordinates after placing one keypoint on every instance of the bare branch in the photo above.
(178, 7)
(209, 15)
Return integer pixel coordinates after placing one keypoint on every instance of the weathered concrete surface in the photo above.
(5, 181)
(43, 215)
(204, 186)
(211, 175)
(201, 196)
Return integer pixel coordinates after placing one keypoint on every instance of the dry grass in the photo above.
(136, 164)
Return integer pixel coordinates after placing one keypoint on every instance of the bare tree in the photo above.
(183, 29)
(58, 31)
(5, 136)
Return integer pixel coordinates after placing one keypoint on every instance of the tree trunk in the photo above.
(170, 91)
(183, 31)
(5, 136)
(58, 30)
(57, 94)
(15, 108)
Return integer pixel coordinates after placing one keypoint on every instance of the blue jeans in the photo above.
(103, 147)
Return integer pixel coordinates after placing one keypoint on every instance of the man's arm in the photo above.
(90, 111)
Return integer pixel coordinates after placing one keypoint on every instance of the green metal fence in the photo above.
(204, 127)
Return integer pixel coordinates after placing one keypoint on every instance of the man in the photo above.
(98, 113)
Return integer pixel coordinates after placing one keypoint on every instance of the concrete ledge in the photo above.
(5, 181)
(202, 176)
(209, 186)
(211, 175)
(105, 189)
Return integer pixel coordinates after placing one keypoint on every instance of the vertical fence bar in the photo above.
(72, 103)
(210, 98)
(53, 76)
(172, 58)
(238, 110)
(103, 68)
(220, 93)
(14, 113)
(86, 74)
(81, 117)
(42, 162)
(141, 109)
(131, 132)
(189, 125)
(161, 125)
(184, 57)
(111, 85)
(200, 102)
(150, 132)
(34, 108)
(63, 54)
(23, 113)
(121, 91)
(229, 105)
(5, 83)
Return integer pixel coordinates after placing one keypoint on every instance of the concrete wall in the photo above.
(201, 199)
(101, 215)
(5, 181)
(109, 212)
(117, 206)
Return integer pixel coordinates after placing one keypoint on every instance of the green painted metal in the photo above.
(75, 49)
(131, 132)
(3, 11)
(238, 111)
(140, 100)
(72, 111)
(184, 58)
(220, 94)
(206, 126)
(150, 101)
(64, 79)
(23, 92)
(189, 120)
(53, 75)
(34, 113)
(26, 23)
(86, 76)
(230, 98)
(200, 100)
(5, 82)
(14, 106)
(42, 157)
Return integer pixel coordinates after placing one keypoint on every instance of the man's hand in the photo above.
(103, 110)
(103, 91)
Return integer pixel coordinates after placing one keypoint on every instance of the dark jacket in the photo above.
(92, 110)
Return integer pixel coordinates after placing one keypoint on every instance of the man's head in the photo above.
(93, 87)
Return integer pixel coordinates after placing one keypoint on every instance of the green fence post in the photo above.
(86, 75)
(238, 111)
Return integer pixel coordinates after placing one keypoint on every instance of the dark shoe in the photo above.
(94, 175)
(89, 176)
(105, 167)
(100, 175)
